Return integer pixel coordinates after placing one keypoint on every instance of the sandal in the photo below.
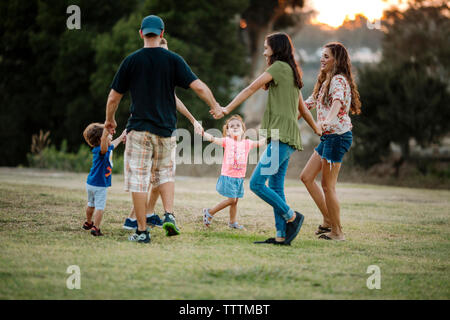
(206, 217)
(321, 230)
(324, 237)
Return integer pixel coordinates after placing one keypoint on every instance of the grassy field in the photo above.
(403, 231)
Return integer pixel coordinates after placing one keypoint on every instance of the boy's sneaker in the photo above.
(169, 225)
(130, 224)
(235, 225)
(88, 226)
(154, 220)
(143, 236)
(96, 232)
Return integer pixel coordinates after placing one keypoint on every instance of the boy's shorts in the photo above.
(96, 197)
(149, 158)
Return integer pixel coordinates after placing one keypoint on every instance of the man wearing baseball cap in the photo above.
(151, 75)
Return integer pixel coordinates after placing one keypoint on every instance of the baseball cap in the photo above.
(152, 24)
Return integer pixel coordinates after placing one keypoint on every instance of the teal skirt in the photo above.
(230, 187)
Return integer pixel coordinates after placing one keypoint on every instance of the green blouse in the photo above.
(282, 106)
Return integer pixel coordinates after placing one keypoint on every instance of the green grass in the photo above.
(403, 231)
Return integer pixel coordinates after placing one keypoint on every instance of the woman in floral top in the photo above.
(335, 95)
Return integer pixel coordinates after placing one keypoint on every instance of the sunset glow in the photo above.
(333, 13)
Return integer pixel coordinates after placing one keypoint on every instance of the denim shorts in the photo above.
(230, 187)
(332, 147)
(96, 197)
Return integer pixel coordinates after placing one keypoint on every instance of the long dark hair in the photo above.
(342, 65)
(283, 50)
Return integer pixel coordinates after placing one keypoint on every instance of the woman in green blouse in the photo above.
(283, 81)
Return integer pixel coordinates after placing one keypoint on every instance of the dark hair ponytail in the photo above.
(283, 50)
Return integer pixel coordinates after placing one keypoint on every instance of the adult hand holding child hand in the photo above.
(198, 129)
(111, 126)
(123, 136)
(217, 112)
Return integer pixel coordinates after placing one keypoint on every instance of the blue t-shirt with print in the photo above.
(101, 170)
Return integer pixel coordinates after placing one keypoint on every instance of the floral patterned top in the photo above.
(339, 90)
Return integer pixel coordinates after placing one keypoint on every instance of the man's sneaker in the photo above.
(130, 224)
(96, 232)
(293, 228)
(143, 237)
(154, 220)
(88, 226)
(169, 225)
(235, 225)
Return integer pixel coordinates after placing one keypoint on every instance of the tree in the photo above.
(46, 70)
(399, 104)
(406, 95)
(420, 34)
(260, 18)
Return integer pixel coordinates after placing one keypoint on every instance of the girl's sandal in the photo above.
(206, 217)
(321, 230)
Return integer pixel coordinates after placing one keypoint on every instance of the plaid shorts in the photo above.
(148, 159)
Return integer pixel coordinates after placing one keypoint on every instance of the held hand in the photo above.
(123, 136)
(318, 130)
(218, 113)
(198, 129)
(111, 126)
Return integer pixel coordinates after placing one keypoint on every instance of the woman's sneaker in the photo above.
(207, 217)
(143, 236)
(130, 224)
(96, 232)
(293, 228)
(169, 225)
(88, 226)
(235, 225)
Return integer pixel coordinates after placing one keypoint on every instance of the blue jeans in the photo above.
(272, 166)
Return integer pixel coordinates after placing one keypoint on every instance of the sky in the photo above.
(334, 12)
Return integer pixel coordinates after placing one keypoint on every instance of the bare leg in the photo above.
(233, 210)
(89, 213)
(167, 191)
(151, 203)
(98, 218)
(308, 176)
(220, 206)
(329, 179)
(139, 203)
(154, 195)
(132, 214)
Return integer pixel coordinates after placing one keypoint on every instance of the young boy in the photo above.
(99, 178)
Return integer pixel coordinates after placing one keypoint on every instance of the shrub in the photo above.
(52, 158)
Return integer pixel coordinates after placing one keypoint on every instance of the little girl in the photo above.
(234, 165)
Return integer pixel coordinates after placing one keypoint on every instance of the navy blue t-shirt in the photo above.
(151, 75)
(101, 170)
